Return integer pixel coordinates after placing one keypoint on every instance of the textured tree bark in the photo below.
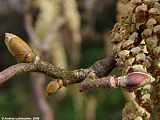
(136, 47)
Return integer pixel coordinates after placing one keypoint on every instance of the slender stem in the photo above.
(59, 73)
(130, 81)
(104, 66)
(107, 82)
(42, 67)
(69, 76)
(14, 70)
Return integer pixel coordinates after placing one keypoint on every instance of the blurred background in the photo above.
(70, 34)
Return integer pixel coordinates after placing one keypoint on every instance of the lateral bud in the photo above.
(53, 86)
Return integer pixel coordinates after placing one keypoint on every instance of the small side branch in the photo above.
(131, 81)
(104, 66)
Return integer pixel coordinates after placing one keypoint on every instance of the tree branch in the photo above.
(100, 69)
(131, 81)
(14, 70)
(104, 66)
(71, 76)
(92, 75)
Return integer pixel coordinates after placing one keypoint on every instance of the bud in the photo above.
(136, 79)
(19, 49)
(53, 86)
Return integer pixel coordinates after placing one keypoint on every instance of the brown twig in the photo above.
(71, 76)
(104, 66)
(14, 70)
(100, 69)
(130, 81)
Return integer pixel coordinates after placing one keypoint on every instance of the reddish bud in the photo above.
(136, 79)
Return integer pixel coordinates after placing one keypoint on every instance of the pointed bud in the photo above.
(19, 49)
(136, 79)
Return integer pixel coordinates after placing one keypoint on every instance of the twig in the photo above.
(131, 81)
(14, 70)
(100, 69)
(104, 66)
(71, 76)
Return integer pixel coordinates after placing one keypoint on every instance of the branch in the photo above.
(71, 76)
(43, 67)
(104, 66)
(14, 70)
(131, 81)
(101, 68)
(22, 52)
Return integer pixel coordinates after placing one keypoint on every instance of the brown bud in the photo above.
(19, 49)
(53, 86)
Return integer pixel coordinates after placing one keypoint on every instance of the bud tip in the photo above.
(136, 79)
